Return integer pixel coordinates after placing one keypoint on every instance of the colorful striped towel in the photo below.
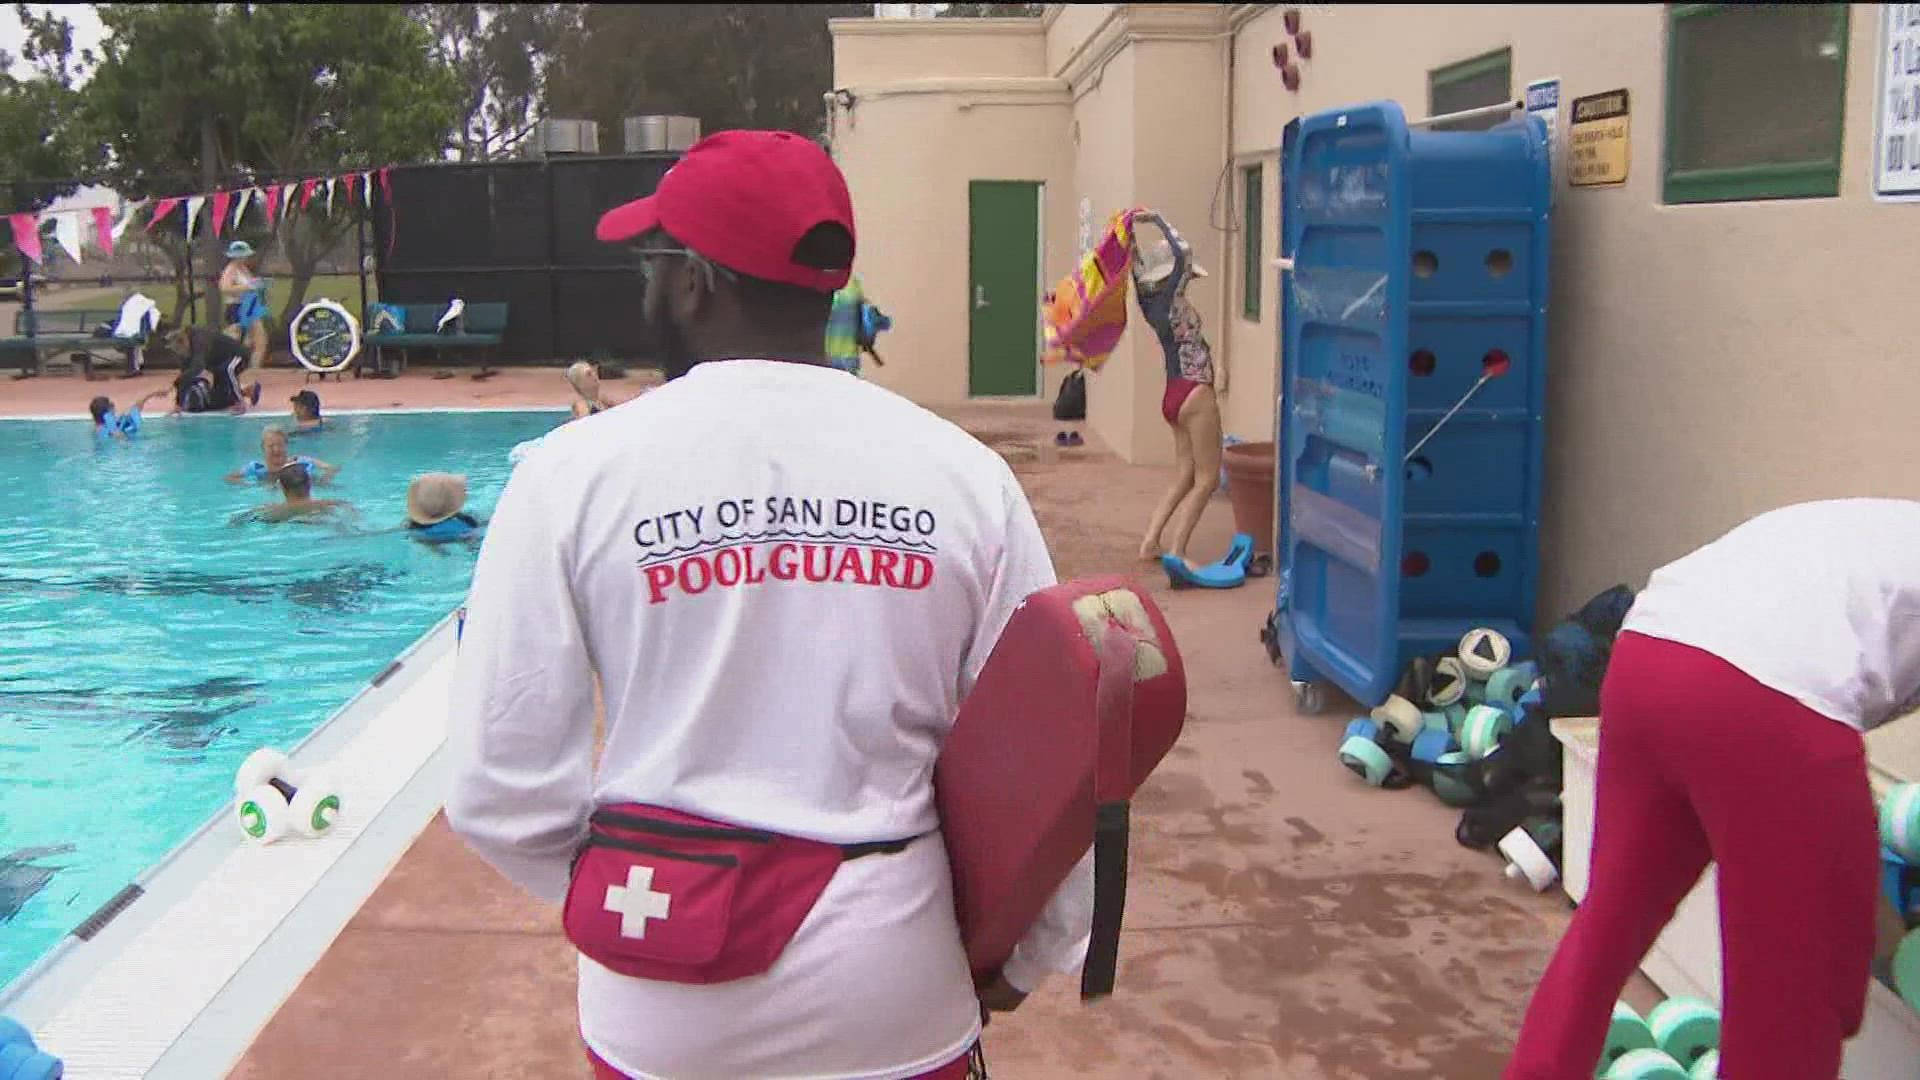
(1086, 312)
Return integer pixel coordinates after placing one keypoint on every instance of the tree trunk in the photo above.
(209, 177)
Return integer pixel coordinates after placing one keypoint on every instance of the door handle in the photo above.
(979, 297)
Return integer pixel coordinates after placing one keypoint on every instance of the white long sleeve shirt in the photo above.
(786, 580)
(1819, 601)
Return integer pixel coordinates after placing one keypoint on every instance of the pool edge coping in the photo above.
(253, 987)
(400, 410)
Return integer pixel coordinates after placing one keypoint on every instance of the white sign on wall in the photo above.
(1542, 99)
(1896, 126)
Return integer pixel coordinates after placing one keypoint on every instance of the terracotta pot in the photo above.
(1250, 488)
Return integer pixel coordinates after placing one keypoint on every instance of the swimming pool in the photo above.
(147, 645)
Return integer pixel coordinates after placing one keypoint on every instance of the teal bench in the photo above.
(482, 327)
(82, 332)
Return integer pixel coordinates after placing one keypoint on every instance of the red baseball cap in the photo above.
(745, 199)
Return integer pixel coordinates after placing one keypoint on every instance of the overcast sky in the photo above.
(86, 29)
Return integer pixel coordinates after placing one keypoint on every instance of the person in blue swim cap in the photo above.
(435, 509)
(274, 457)
(108, 424)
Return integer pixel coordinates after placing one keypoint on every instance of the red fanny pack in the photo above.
(659, 894)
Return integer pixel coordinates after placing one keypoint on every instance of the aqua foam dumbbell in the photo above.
(1454, 780)
(1906, 969)
(1430, 744)
(1646, 1065)
(1685, 1028)
(21, 1059)
(1900, 821)
(1627, 1032)
(1361, 752)
(1508, 685)
(1435, 721)
(1485, 728)
(1707, 1068)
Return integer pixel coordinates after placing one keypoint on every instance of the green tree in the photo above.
(43, 154)
(503, 56)
(204, 96)
(730, 65)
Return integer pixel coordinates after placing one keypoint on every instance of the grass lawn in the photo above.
(344, 288)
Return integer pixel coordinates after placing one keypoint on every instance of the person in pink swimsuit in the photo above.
(1189, 405)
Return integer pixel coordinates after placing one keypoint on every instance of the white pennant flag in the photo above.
(366, 188)
(66, 229)
(329, 195)
(194, 203)
(126, 218)
(240, 211)
(286, 197)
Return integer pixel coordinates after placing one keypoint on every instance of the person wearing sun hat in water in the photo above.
(435, 509)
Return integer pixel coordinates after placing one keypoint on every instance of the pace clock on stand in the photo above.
(325, 337)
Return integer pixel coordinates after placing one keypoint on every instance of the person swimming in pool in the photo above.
(108, 424)
(274, 457)
(297, 502)
(436, 509)
(306, 414)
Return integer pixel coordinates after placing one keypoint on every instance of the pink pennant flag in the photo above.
(306, 192)
(103, 230)
(162, 209)
(352, 180)
(26, 234)
(272, 201)
(221, 200)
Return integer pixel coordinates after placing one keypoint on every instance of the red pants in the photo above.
(1699, 762)
(952, 1070)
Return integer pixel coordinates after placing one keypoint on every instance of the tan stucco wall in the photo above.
(913, 141)
(1707, 362)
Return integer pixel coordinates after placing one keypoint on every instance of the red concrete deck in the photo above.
(1284, 920)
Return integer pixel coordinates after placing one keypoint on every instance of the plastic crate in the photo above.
(1419, 262)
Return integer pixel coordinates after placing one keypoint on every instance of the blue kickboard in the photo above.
(1229, 573)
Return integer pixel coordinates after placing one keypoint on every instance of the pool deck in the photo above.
(1284, 921)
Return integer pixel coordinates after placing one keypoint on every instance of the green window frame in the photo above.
(1814, 177)
(1252, 182)
(1451, 89)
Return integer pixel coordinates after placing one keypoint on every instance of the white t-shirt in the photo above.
(1820, 601)
(786, 580)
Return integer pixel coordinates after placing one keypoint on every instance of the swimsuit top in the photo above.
(257, 470)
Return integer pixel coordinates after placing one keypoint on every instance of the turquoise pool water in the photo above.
(147, 645)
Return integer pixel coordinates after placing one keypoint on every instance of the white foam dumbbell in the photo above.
(1484, 651)
(273, 797)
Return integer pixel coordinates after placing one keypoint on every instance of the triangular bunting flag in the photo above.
(26, 234)
(221, 200)
(162, 209)
(306, 192)
(352, 182)
(286, 197)
(329, 195)
(103, 231)
(366, 188)
(127, 213)
(240, 211)
(270, 201)
(194, 203)
(66, 230)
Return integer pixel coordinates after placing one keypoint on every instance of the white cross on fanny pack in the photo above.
(636, 902)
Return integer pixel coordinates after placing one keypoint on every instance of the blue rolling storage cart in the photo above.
(1412, 393)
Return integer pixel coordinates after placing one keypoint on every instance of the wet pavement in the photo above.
(1283, 920)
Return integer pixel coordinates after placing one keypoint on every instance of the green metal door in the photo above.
(1003, 293)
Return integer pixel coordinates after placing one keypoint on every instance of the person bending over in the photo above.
(274, 457)
(1731, 723)
(210, 368)
(764, 678)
